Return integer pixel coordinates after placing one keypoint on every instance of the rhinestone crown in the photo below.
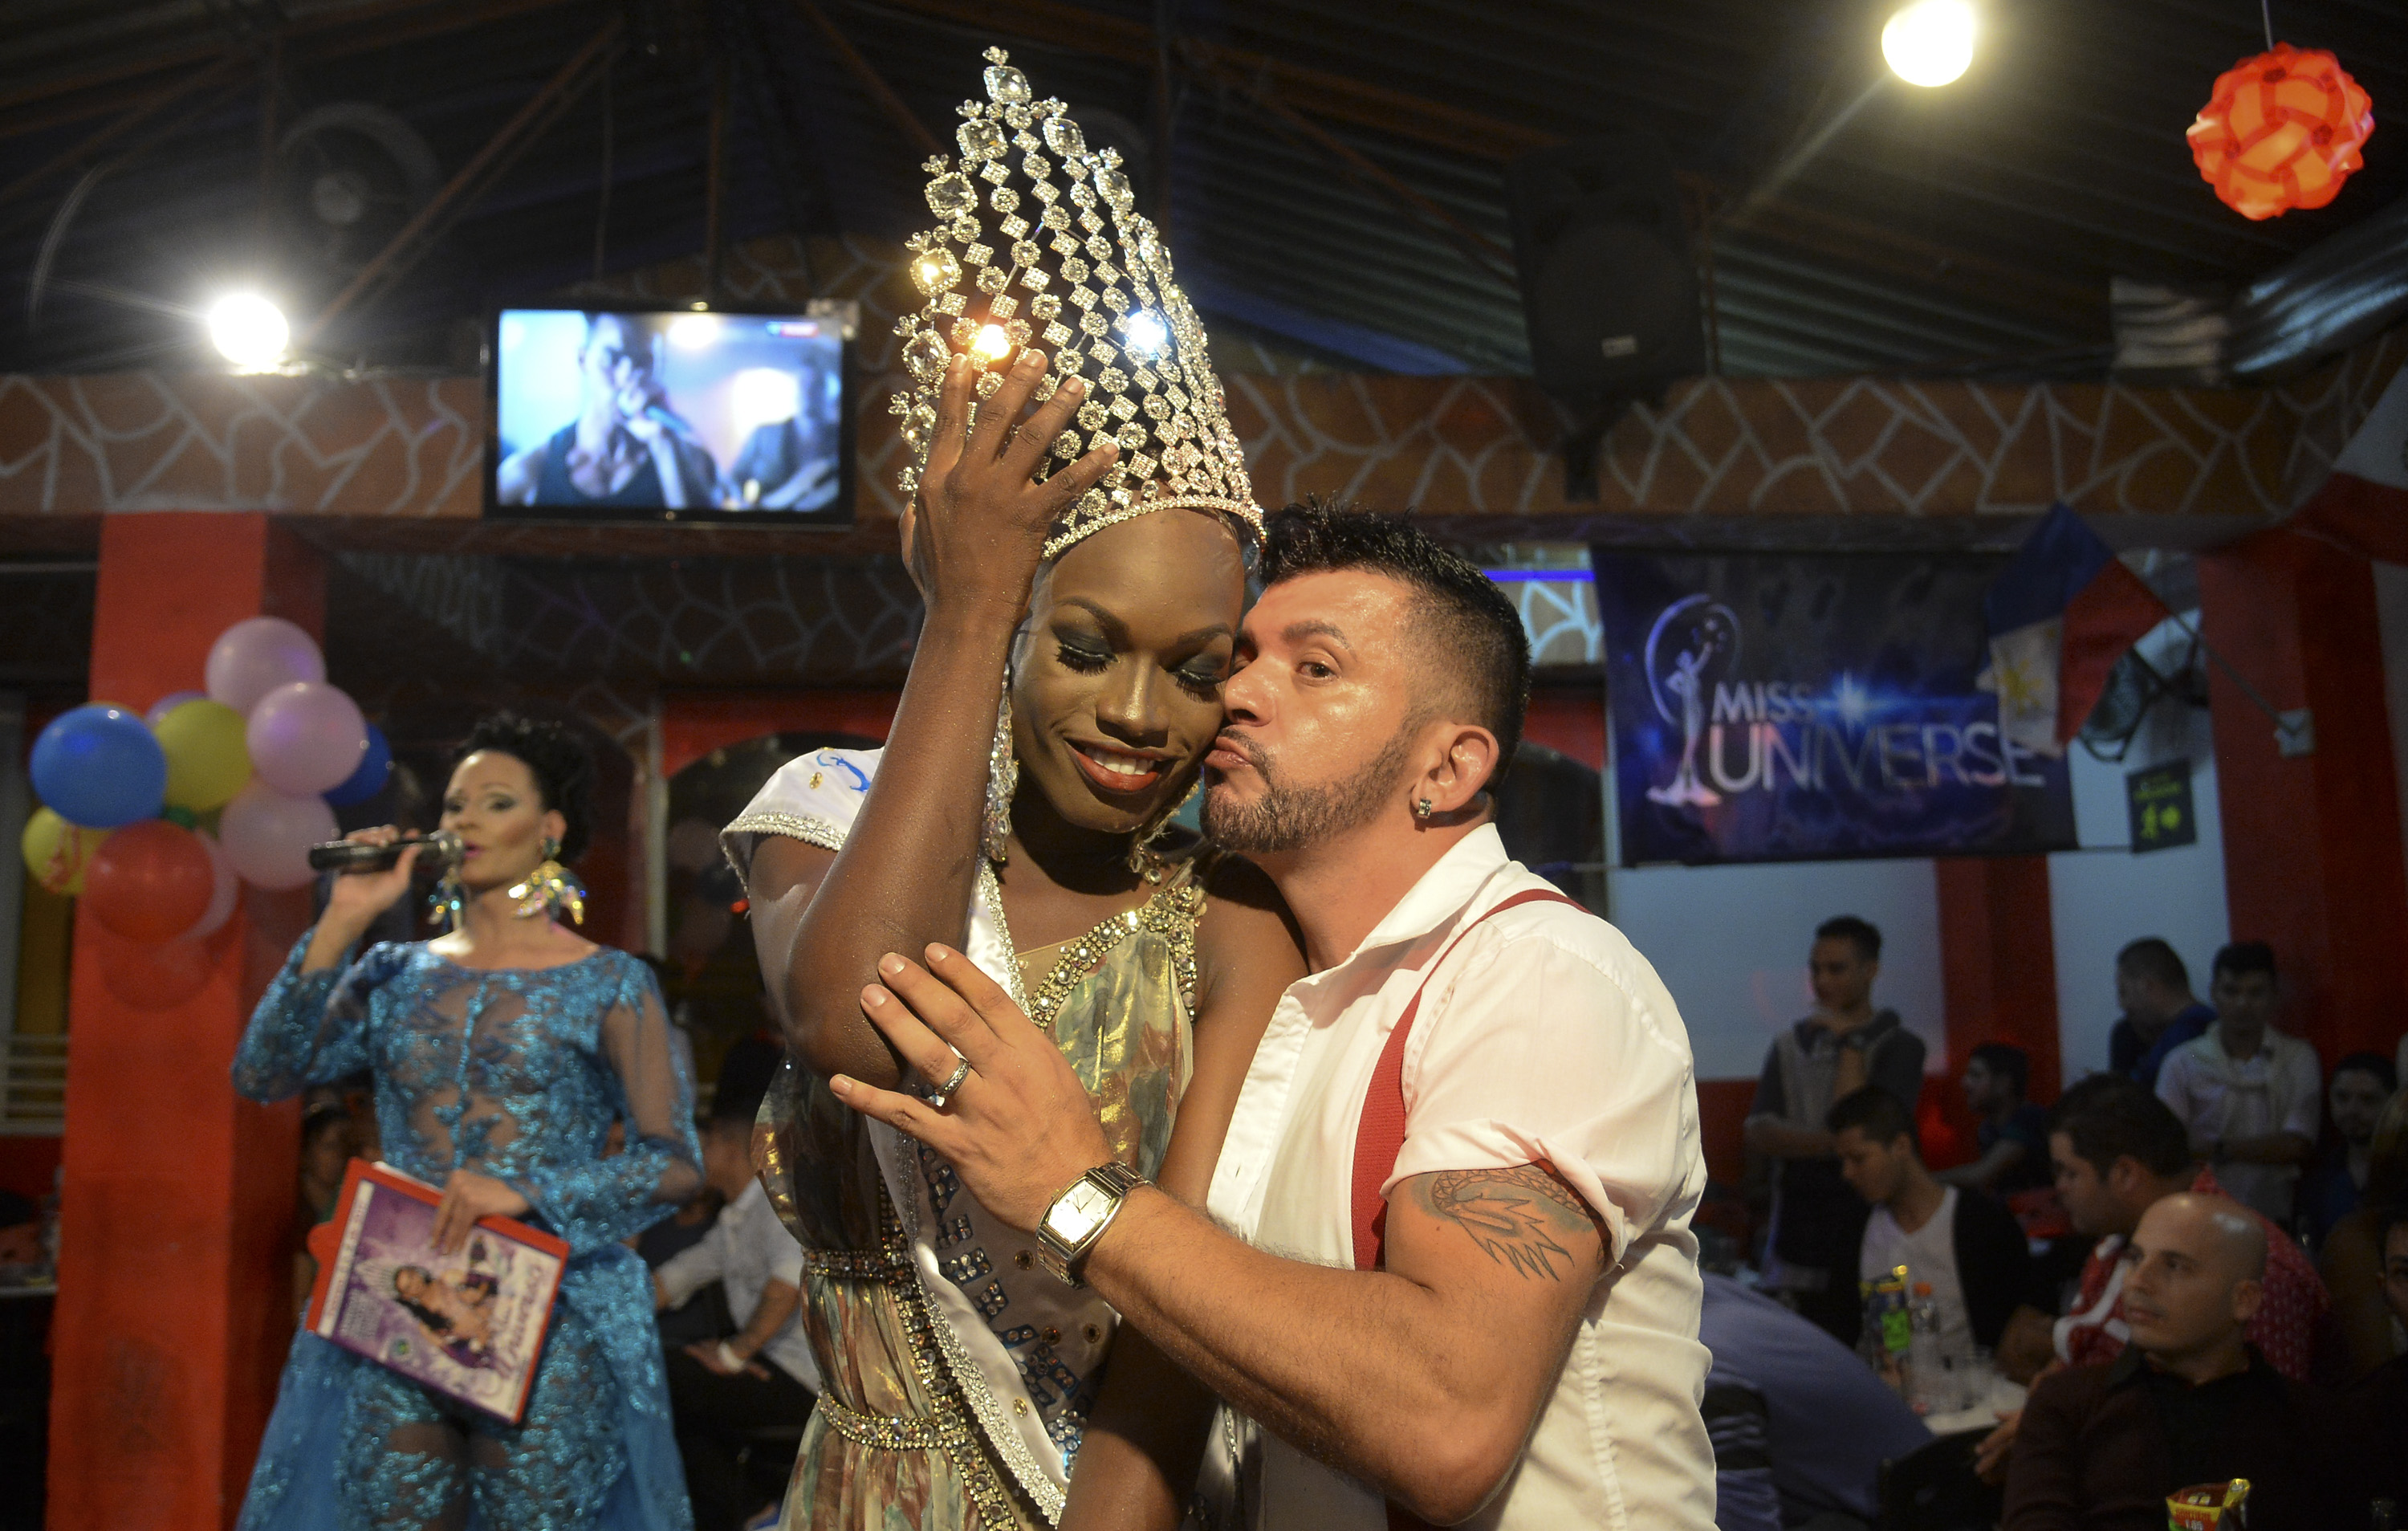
(1039, 243)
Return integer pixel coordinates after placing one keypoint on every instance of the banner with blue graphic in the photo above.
(1793, 708)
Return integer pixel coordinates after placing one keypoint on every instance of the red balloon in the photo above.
(150, 881)
(158, 975)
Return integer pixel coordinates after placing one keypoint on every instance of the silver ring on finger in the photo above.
(943, 1092)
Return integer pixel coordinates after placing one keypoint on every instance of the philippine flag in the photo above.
(2060, 614)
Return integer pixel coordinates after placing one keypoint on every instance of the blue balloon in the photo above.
(368, 780)
(100, 767)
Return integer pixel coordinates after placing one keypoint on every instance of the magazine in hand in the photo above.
(469, 1326)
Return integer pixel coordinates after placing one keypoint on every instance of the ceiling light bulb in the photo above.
(1930, 42)
(992, 345)
(248, 330)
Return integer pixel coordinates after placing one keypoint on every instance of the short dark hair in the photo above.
(2244, 957)
(2385, 1071)
(1882, 1116)
(2387, 1218)
(1851, 928)
(2108, 1117)
(2154, 958)
(1477, 633)
(2005, 1060)
(562, 769)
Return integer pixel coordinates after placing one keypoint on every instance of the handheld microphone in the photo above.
(441, 848)
(675, 425)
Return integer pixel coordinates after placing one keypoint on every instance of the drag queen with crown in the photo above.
(502, 1053)
(1100, 603)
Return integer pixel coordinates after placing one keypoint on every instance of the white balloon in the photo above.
(268, 835)
(223, 896)
(256, 655)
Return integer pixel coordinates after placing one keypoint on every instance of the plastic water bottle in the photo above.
(1929, 1379)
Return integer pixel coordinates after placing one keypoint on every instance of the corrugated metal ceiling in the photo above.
(1857, 224)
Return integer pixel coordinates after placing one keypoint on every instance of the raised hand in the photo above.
(357, 898)
(980, 519)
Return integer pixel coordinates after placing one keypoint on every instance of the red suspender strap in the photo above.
(1379, 1135)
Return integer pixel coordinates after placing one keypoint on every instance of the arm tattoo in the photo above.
(1517, 1217)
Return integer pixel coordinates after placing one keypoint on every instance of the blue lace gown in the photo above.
(517, 1074)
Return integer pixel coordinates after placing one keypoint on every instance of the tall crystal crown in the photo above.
(1054, 254)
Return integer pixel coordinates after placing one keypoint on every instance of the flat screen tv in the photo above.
(670, 414)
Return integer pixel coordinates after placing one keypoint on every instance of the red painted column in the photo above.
(175, 1268)
(1997, 975)
(2312, 854)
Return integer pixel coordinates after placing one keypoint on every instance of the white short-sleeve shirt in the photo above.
(746, 1248)
(2279, 1088)
(1545, 1036)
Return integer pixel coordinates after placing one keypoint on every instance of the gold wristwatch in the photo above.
(1079, 1217)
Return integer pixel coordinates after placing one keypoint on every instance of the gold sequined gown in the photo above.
(958, 1374)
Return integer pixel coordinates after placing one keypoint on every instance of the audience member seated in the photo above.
(2160, 1013)
(1845, 1046)
(2118, 1151)
(1800, 1426)
(329, 1141)
(2377, 1411)
(2248, 1093)
(723, 1392)
(2188, 1402)
(2362, 1085)
(1964, 1244)
(2354, 1256)
(2014, 1132)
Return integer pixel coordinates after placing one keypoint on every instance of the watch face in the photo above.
(1075, 1216)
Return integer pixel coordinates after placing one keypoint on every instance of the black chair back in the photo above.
(1934, 1487)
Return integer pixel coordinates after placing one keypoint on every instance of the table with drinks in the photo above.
(1952, 1382)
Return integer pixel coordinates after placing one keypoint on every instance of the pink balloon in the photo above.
(256, 655)
(268, 835)
(169, 702)
(306, 738)
(223, 893)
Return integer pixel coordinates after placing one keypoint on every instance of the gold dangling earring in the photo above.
(1003, 781)
(1142, 858)
(449, 899)
(549, 887)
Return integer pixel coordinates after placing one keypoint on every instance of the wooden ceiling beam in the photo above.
(315, 38)
(1337, 97)
(1317, 92)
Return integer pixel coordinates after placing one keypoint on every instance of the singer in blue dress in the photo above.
(502, 1053)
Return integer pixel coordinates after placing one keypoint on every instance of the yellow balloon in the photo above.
(207, 761)
(58, 853)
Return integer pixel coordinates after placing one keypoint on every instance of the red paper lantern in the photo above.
(2281, 131)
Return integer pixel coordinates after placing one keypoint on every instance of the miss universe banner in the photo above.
(1783, 708)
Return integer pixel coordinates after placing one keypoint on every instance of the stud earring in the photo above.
(1422, 809)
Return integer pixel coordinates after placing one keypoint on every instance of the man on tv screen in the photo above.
(787, 464)
(626, 446)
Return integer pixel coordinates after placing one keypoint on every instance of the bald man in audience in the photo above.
(2188, 1402)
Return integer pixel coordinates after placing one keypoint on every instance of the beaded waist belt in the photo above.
(948, 1426)
(859, 1264)
(947, 1430)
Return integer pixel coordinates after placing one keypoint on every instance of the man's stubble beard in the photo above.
(1293, 818)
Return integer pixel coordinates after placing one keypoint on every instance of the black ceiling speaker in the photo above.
(350, 176)
(1608, 283)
